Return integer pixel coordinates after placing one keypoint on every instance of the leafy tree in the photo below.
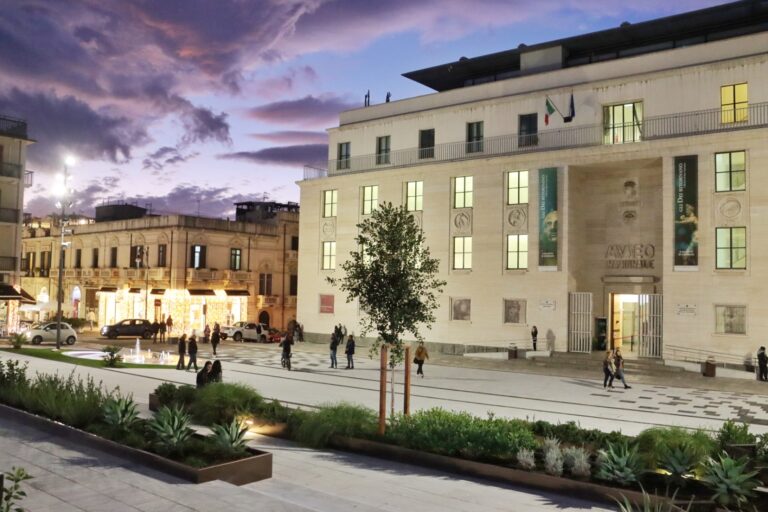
(393, 277)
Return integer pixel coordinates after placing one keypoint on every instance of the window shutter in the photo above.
(202, 257)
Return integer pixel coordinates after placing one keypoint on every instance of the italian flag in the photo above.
(549, 108)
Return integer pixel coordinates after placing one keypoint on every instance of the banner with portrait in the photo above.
(686, 208)
(548, 217)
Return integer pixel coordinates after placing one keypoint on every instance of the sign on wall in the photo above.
(686, 210)
(548, 217)
(326, 304)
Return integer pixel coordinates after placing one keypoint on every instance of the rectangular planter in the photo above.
(238, 472)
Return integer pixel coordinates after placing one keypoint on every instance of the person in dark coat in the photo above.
(203, 375)
(182, 351)
(762, 364)
(162, 332)
(215, 337)
(155, 331)
(335, 341)
(216, 374)
(350, 351)
(192, 352)
(534, 336)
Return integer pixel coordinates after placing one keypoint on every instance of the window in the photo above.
(734, 107)
(294, 243)
(528, 129)
(730, 319)
(197, 256)
(622, 123)
(414, 196)
(382, 150)
(343, 155)
(235, 256)
(45, 263)
(30, 263)
(265, 284)
(427, 143)
(370, 199)
(462, 252)
(294, 286)
(113, 257)
(78, 258)
(731, 247)
(330, 197)
(517, 251)
(475, 137)
(514, 311)
(461, 309)
(730, 171)
(162, 258)
(95, 257)
(517, 187)
(462, 192)
(137, 256)
(329, 255)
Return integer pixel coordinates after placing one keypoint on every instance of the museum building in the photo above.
(610, 186)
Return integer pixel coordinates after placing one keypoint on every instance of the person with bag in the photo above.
(419, 358)
(335, 341)
(619, 362)
(192, 351)
(609, 369)
(350, 351)
(182, 351)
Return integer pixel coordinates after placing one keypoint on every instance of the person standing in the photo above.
(203, 375)
(350, 351)
(162, 332)
(215, 336)
(182, 349)
(534, 336)
(207, 335)
(155, 331)
(762, 364)
(169, 325)
(335, 340)
(192, 351)
(216, 374)
(609, 369)
(91, 318)
(619, 363)
(419, 358)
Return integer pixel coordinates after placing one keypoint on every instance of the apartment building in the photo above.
(607, 186)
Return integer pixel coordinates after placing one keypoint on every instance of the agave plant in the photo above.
(680, 462)
(230, 437)
(171, 427)
(650, 505)
(120, 413)
(729, 479)
(619, 463)
(576, 460)
(526, 459)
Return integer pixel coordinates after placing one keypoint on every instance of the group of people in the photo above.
(337, 338)
(159, 329)
(189, 348)
(613, 368)
(210, 373)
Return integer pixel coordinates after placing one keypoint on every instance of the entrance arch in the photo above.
(264, 318)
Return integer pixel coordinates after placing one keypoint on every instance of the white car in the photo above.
(244, 331)
(47, 332)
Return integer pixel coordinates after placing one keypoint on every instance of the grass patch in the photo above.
(53, 355)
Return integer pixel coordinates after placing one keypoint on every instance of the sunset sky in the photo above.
(173, 101)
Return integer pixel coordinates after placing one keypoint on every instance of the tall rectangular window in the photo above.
(294, 243)
(414, 196)
(370, 198)
(197, 256)
(294, 286)
(462, 192)
(734, 105)
(517, 187)
(343, 155)
(730, 171)
(162, 255)
(731, 247)
(329, 255)
(475, 137)
(78, 258)
(462, 252)
(235, 256)
(330, 198)
(427, 143)
(528, 129)
(517, 252)
(113, 257)
(95, 257)
(265, 284)
(730, 319)
(138, 256)
(623, 123)
(382, 150)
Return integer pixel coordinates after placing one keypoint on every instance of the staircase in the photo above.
(594, 362)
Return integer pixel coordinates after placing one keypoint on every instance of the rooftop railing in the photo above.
(651, 128)
(13, 127)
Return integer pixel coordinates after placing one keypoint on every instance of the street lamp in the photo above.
(64, 193)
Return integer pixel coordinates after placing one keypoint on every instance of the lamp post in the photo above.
(64, 193)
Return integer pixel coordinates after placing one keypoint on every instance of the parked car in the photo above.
(47, 332)
(131, 327)
(245, 331)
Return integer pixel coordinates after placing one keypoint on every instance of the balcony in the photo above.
(290, 302)
(10, 170)
(13, 127)
(201, 274)
(159, 273)
(264, 301)
(651, 128)
(29, 178)
(7, 263)
(10, 215)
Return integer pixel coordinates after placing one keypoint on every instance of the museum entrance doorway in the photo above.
(636, 324)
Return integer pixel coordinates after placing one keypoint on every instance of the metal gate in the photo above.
(650, 319)
(580, 322)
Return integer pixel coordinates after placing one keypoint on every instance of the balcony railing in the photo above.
(7, 263)
(658, 127)
(12, 127)
(29, 178)
(10, 170)
(9, 215)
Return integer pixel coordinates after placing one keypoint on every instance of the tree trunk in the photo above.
(383, 390)
(392, 390)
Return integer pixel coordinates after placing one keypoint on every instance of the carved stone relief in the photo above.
(328, 229)
(461, 222)
(516, 218)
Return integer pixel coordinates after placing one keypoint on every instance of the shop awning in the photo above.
(134, 290)
(27, 298)
(197, 292)
(157, 291)
(237, 293)
(107, 289)
(8, 292)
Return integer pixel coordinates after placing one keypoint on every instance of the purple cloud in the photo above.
(284, 155)
(293, 137)
(309, 110)
(163, 156)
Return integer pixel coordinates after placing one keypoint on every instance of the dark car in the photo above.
(131, 327)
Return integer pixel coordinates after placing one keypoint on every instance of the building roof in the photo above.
(696, 27)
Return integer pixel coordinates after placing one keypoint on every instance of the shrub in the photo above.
(170, 427)
(186, 396)
(733, 433)
(112, 356)
(274, 411)
(120, 413)
(221, 402)
(13, 382)
(12, 494)
(71, 400)
(619, 463)
(526, 459)
(649, 505)
(730, 481)
(553, 459)
(655, 443)
(18, 340)
(576, 460)
(166, 393)
(571, 433)
(229, 438)
(315, 429)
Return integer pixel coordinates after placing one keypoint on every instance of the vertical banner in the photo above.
(548, 217)
(686, 210)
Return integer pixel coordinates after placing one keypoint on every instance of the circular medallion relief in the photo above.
(517, 218)
(462, 221)
(328, 229)
(730, 208)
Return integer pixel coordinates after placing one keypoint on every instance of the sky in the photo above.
(187, 104)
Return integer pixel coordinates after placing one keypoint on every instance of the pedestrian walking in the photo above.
(609, 369)
(207, 334)
(419, 358)
(216, 374)
(619, 363)
(335, 341)
(162, 332)
(762, 364)
(155, 331)
(169, 325)
(216, 338)
(192, 352)
(203, 376)
(182, 349)
(350, 351)
(91, 318)
(534, 336)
